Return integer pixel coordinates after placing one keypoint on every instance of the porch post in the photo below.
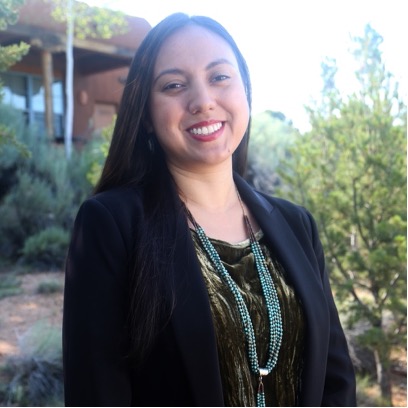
(48, 80)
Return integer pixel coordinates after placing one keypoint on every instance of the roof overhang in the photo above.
(90, 55)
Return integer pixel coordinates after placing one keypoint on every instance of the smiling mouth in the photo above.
(206, 130)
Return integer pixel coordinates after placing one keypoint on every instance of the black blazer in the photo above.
(183, 368)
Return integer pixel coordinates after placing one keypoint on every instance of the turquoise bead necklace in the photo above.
(271, 300)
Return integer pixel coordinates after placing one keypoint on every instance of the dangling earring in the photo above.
(150, 143)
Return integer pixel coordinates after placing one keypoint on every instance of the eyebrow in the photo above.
(178, 71)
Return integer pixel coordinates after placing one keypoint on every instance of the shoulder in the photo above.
(288, 208)
(296, 216)
(294, 220)
(120, 196)
(282, 203)
(117, 201)
(118, 208)
(299, 218)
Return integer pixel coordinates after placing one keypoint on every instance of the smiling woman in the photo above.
(185, 286)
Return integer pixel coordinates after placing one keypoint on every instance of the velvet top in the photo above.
(239, 383)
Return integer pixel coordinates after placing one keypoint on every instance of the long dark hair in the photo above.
(135, 158)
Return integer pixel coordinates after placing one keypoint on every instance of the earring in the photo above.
(150, 143)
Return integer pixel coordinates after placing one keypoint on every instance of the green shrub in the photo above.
(46, 248)
(38, 193)
(9, 285)
(49, 287)
(35, 377)
(12, 119)
(24, 211)
(368, 393)
(98, 151)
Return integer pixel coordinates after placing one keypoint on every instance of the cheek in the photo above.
(163, 114)
(239, 100)
(158, 118)
(242, 109)
(163, 123)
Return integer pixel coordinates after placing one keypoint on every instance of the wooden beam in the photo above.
(55, 42)
(47, 82)
(103, 48)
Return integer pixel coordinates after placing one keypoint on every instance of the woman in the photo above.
(185, 286)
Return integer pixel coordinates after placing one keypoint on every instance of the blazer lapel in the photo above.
(287, 248)
(304, 277)
(192, 322)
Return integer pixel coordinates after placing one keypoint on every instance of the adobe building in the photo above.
(35, 85)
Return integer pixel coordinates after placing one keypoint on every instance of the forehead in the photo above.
(193, 45)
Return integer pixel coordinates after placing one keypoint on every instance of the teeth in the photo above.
(206, 130)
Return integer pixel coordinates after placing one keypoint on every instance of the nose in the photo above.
(201, 99)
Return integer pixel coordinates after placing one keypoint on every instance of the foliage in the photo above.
(368, 394)
(49, 287)
(9, 55)
(9, 12)
(9, 285)
(91, 22)
(10, 157)
(47, 247)
(350, 171)
(99, 149)
(37, 194)
(35, 376)
(7, 136)
(271, 136)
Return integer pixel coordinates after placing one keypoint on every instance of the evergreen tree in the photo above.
(350, 171)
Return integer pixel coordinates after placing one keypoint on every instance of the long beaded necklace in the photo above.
(271, 300)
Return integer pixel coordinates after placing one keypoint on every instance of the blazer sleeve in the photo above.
(340, 386)
(95, 339)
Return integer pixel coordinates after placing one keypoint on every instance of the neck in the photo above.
(213, 201)
(212, 191)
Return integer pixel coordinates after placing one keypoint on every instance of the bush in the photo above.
(368, 392)
(49, 287)
(37, 194)
(98, 151)
(36, 376)
(46, 248)
(9, 285)
(25, 210)
(10, 157)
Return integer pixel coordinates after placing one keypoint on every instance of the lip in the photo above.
(215, 127)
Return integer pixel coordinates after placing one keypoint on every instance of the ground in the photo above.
(20, 312)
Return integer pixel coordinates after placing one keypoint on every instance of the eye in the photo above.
(220, 78)
(172, 85)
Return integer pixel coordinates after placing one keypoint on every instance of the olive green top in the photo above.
(239, 383)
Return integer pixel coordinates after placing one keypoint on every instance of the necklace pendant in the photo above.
(263, 372)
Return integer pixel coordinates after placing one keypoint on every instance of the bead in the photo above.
(263, 371)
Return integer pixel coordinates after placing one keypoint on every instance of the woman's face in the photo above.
(198, 106)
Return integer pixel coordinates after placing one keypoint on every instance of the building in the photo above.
(35, 85)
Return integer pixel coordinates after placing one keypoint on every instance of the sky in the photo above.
(284, 42)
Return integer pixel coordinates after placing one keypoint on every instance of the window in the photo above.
(26, 93)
